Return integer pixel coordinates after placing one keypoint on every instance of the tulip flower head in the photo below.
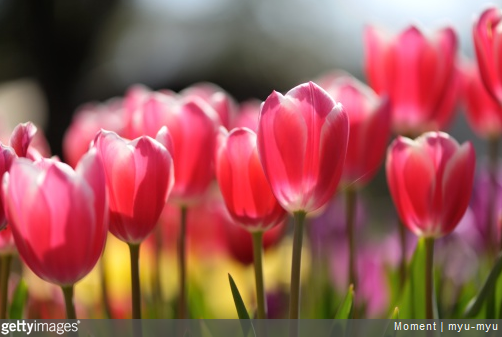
(484, 113)
(487, 37)
(430, 180)
(139, 178)
(418, 74)
(245, 188)
(369, 122)
(57, 216)
(302, 142)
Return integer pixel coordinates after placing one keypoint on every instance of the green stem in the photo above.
(68, 299)
(258, 273)
(294, 305)
(104, 289)
(429, 286)
(156, 286)
(402, 262)
(5, 263)
(350, 202)
(136, 290)
(493, 145)
(182, 304)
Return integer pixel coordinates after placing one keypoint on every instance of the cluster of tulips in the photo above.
(128, 157)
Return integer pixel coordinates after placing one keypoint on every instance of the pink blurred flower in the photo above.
(418, 74)
(302, 142)
(221, 101)
(139, 178)
(248, 115)
(57, 216)
(86, 123)
(430, 180)
(487, 44)
(369, 122)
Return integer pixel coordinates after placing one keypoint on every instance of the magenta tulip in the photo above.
(484, 113)
(369, 123)
(139, 177)
(487, 37)
(302, 142)
(245, 188)
(57, 216)
(417, 72)
(430, 180)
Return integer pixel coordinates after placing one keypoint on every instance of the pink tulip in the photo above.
(139, 178)
(57, 216)
(369, 123)
(488, 45)
(430, 180)
(248, 115)
(222, 103)
(245, 188)
(86, 123)
(484, 113)
(302, 142)
(417, 73)
(7, 156)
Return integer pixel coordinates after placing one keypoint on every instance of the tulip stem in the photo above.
(402, 262)
(68, 299)
(182, 304)
(350, 203)
(493, 149)
(429, 286)
(104, 288)
(135, 285)
(5, 262)
(156, 284)
(294, 304)
(258, 273)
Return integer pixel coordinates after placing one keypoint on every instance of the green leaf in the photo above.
(18, 300)
(389, 331)
(395, 313)
(486, 291)
(239, 303)
(412, 303)
(345, 311)
(241, 308)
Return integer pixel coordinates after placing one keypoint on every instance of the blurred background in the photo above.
(56, 54)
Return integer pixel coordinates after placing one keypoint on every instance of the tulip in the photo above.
(369, 121)
(193, 125)
(86, 123)
(302, 141)
(247, 194)
(222, 103)
(139, 178)
(245, 188)
(487, 44)
(57, 217)
(484, 113)
(417, 72)
(248, 115)
(430, 180)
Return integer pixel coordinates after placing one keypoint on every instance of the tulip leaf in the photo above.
(488, 289)
(239, 303)
(18, 300)
(241, 308)
(389, 331)
(345, 311)
(412, 303)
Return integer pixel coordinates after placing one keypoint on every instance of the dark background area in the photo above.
(74, 51)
